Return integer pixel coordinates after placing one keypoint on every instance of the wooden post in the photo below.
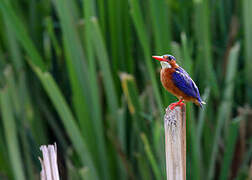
(49, 163)
(175, 143)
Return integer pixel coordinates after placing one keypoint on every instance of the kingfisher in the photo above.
(178, 82)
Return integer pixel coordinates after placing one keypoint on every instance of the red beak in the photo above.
(159, 58)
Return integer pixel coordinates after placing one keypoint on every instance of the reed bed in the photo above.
(80, 73)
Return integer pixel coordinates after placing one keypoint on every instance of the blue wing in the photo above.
(184, 82)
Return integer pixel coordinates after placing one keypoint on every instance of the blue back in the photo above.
(184, 82)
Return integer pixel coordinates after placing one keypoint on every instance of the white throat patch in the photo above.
(165, 64)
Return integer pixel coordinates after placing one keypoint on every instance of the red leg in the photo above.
(179, 103)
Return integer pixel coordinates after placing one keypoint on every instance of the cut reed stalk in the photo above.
(175, 143)
(49, 163)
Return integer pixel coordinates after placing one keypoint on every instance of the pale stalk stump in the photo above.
(49, 164)
(175, 143)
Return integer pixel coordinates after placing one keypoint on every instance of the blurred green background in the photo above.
(80, 73)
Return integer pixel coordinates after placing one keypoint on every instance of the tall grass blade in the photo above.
(246, 162)
(202, 114)
(230, 148)
(226, 105)
(54, 125)
(199, 132)
(5, 165)
(21, 117)
(132, 96)
(89, 12)
(160, 12)
(128, 37)
(103, 60)
(108, 81)
(114, 24)
(68, 120)
(73, 48)
(52, 35)
(11, 135)
(159, 145)
(14, 48)
(102, 17)
(130, 92)
(203, 35)
(176, 50)
(151, 157)
(247, 5)
(21, 33)
(145, 43)
(84, 104)
(144, 169)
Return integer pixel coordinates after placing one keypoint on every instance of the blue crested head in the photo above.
(169, 57)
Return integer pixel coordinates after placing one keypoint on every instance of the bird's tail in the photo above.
(201, 103)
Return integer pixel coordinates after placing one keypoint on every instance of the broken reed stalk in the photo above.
(175, 143)
(49, 163)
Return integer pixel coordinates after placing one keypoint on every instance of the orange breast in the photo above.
(166, 79)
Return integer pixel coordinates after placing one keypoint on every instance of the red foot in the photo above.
(179, 103)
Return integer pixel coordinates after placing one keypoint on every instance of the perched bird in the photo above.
(178, 82)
